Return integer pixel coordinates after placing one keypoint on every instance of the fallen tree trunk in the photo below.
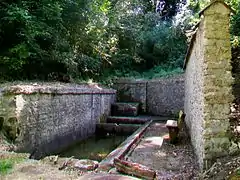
(135, 169)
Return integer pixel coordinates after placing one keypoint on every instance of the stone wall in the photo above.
(164, 96)
(130, 90)
(40, 119)
(208, 84)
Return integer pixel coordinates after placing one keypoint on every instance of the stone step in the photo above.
(113, 128)
(128, 120)
(125, 109)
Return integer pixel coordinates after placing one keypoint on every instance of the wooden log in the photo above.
(120, 152)
(135, 169)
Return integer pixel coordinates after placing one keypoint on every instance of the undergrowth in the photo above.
(154, 73)
(110, 76)
(7, 164)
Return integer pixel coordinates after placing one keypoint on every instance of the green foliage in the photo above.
(163, 45)
(235, 28)
(196, 5)
(85, 39)
(95, 39)
(7, 164)
(158, 72)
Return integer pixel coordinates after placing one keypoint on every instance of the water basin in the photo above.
(96, 147)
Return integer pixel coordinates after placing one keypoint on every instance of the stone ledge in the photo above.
(174, 77)
(130, 81)
(55, 88)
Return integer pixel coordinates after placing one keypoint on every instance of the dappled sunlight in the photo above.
(161, 154)
(156, 152)
(153, 141)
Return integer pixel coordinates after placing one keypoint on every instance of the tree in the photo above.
(48, 39)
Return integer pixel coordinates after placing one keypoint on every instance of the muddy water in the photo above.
(95, 148)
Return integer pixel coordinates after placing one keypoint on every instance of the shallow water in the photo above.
(96, 147)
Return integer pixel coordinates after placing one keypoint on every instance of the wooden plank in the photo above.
(135, 169)
(123, 149)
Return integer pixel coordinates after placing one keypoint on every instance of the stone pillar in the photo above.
(218, 81)
(208, 84)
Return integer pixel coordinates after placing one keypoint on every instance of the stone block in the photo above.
(218, 97)
(215, 28)
(220, 34)
(125, 109)
(215, 89)
(218, 64)
(128, 120)
(215, 128)
(129, 90)
(217, 111)
(217, 8)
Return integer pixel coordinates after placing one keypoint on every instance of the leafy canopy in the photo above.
(49, 39)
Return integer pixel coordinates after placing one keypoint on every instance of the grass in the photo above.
(7, 164)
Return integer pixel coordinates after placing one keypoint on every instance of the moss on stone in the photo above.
(11, 129)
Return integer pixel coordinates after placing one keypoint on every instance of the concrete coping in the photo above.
(129, 81)
(55, 88)
(172, 123)
(143, 81)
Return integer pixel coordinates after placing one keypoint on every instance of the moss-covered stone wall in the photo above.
(161, 97)
(208, 94)
(43, 118)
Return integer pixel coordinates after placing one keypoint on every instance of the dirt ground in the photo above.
(170, 161)
(29, 169)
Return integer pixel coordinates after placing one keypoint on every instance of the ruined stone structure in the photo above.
(164, 96)
(43, 118)
(208, 84)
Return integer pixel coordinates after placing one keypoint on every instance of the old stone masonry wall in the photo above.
(163, 96)
(40, 119)
(208, 93)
